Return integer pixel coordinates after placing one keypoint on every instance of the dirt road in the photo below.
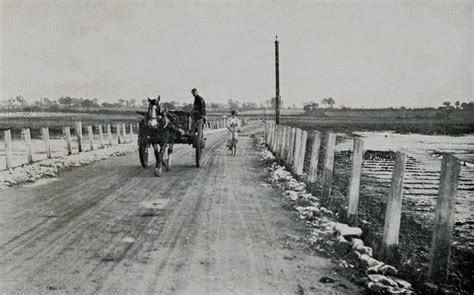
(114, 228)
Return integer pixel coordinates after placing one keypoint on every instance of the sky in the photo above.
(361, 53)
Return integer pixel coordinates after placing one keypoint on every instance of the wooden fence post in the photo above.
(444, 220)
(124, 128)
(296, 150)
(109, 134)
(302, 153)
(357, 157)
(280, 140)
(328, 168)
(270, 135)
(272, 143)
(45, 135)
(79, 135)
(265, 132)
(90, 134)
(67, 133)
(8, 148)
(286, 141)
(394, 208)
(29, 152)
(117, 130)
(278, 146)
(291, 147)
(313, 164)
(101, 136)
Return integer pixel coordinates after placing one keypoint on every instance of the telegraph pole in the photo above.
(277, 84)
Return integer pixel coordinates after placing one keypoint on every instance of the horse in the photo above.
(160, 134)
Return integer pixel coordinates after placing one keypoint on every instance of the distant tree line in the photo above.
(447, 108)
(74, 103)
(444, 110)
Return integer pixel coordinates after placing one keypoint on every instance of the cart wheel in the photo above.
(143, 153)
(198, 144)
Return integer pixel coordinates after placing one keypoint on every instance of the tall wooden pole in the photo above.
(277, 84)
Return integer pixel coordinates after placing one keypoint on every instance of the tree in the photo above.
(457, 104)
(21, 100)
(234, 104)
(331, 102)
(66, 101)
(271, 103)
(328, 102)
(447, 104)
(324, 102)
(468, 106)
(87, 103)
(121, 102)
(76, 102)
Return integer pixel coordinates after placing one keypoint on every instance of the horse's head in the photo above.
(155, 117)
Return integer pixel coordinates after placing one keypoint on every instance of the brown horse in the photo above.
(158, 131)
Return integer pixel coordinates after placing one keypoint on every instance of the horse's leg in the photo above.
(158, 157)
(168, 159)
(165, 159)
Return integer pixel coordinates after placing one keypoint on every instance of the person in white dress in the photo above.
(233, 125)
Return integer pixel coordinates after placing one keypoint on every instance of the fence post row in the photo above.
(444, 220)
(328, 168)
(394, 208)
(289, 145)
(354, 183)
(26, 135)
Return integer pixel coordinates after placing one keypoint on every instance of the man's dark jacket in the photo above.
(199, 105)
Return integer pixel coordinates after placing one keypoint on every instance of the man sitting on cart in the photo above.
(233, 125)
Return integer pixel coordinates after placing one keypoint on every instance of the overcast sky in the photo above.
(361, 53)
